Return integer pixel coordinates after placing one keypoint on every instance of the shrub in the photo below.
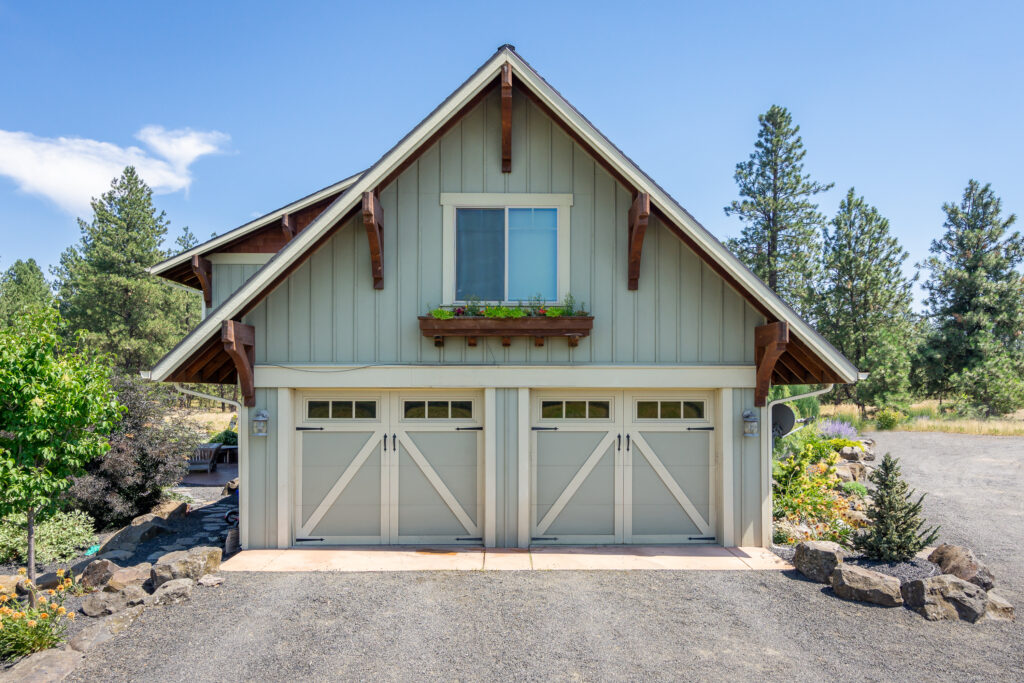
(895, 534)
(442, 314)
(24, 630)
(228, 437)
(58, 538)
(888, 418)
(854, 488)
(148, 451)
(837, 429)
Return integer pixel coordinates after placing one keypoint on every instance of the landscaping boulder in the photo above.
(851, 454)
(945, 597)
(193, 564)
(129, 576)
(850, 582)
(98, 573)
(48, 665)
(961, 562)
(231, 544)
(100, 604)
(851, 471)
(131, 536)
(817, 559)
(212, 581)
(12, 583)
(997, 608)
(105, 629)
(170, 509)
(172, 592)
(115, 556)
(230, 487)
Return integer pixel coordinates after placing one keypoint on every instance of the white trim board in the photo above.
(481, 377)
(230, 259)
(448, 109)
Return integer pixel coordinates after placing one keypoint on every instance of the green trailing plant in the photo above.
(888, 418)
(58, 538)
(554, 312)
(854, 488)
(442, 314)
(895, 534)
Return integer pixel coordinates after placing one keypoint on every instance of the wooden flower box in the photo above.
(539, 327)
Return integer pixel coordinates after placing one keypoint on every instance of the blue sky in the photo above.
(232, 110)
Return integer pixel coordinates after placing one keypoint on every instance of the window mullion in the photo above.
(505, 293)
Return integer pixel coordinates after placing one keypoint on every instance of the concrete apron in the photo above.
(441, 558)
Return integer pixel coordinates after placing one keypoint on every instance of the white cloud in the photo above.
(70, 171)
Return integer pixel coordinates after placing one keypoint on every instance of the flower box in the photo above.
(571, 327)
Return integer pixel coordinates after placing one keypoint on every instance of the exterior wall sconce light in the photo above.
(751, 423)
(260, 423)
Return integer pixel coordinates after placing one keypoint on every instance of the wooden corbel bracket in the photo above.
(240, 343)
(372, 220)
(639, 215)
(770, 343)
(288, 226)
(204, 271)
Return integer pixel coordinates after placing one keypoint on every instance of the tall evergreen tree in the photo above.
(21, 285)
(865, 303)
(103, 285)
(975, 303)
(780, 238)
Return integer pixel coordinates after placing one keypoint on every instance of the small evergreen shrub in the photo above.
(854, 488)
(887, 419)
(58, 538)
(228, 437)
(895, 533)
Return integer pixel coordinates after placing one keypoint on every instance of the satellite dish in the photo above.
(783, 420)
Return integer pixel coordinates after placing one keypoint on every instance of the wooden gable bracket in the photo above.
(288, 226)
(204, 271)
(639, 215)
(770, 343)
(506, 118)
(372, 220)
(240, 343)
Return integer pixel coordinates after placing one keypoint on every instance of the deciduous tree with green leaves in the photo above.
(103, 285)
(57, 407)
(865, 305)
(780, 241)
(21, 285)
(974, 349)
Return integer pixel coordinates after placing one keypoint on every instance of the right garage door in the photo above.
(622, 467)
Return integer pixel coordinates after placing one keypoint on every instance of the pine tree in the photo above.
(780, 238)
(103, 285)
(865, 308)
(23, 284)
(895, 533)
(975, 306)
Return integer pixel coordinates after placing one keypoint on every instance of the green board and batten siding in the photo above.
(328, 312)
(228, 278)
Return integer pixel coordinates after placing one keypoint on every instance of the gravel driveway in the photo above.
(602, 625)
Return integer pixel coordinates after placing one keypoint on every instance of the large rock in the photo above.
(852, 471)
(48, 665)
(962, 563)
(105, 629)
(170, 509)
(172, 592)
(863, 585)
(945, 597)
(230, 487)
(997, 608)
(98, 573)
(132, 535)
(193, 564)
(817, 559)
(212, 581)
(9, 583)
(129, 576)
(851, 454)
(115, 556)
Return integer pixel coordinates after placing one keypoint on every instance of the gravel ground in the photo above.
(602, 625)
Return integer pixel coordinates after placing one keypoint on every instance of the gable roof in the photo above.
(675, 217)
(172, 268)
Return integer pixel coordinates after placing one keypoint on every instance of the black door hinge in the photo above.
(544, 429)
(300, 540)
(700, 429)
(309, 429)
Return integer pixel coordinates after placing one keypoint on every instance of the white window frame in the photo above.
(450, 201)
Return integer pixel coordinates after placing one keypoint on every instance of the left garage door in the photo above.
(388, 468)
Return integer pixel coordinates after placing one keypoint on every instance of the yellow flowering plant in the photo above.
(25, 629)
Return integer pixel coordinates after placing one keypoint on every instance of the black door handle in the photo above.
(309, 429)
(627, 442)
(394, 442)
(618, 446)
(385, 443)
(700, 429)
(469, 429)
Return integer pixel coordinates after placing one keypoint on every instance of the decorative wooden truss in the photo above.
(770, 342)
(240, 344)
(639, 215)
(506, 118)
(372, 220)
(203, 270)
(288, 226)
(571, 327)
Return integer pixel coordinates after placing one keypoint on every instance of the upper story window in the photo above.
(506, 247)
